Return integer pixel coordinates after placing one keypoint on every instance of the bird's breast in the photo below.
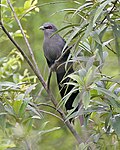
(52, 49)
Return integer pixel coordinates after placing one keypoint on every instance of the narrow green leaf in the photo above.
(29, 89)
(86, 99)
(116, 124)
(23, 108)
(106, 92)
(82, 7)
(76, 78)
(100, 10)
(16, 106)
(50, 130)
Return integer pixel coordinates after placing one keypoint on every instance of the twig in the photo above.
(73, 131)
(41, 5)
(24, 36)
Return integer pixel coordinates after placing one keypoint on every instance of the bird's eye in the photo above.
(48, 27)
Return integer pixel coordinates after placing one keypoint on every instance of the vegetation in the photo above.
(33, 116)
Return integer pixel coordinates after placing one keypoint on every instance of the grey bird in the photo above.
(53, 45)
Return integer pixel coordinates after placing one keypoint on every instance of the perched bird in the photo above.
(53, 45)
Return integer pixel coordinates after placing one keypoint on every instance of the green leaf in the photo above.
(34, 2)
(100, 10)
(23, 108)
(29, 89)
(106, 92)
(37, 9)
(16, 106)
(86, 99)
(50, 130)
(36, 117)
(116, 124)
(27, 4)
(116, 31)
(82, 7)
(76, 78)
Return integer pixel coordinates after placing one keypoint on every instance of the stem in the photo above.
(24, 36)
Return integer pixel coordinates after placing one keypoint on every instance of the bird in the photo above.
(53, 46)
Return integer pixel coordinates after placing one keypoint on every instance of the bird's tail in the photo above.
(64, 88)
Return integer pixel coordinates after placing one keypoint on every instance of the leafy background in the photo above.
(26, 122)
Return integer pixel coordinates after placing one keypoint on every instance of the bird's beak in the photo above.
(41, 28)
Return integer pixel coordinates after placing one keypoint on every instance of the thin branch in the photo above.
(24, 36)
(41, 5)
(44, 104)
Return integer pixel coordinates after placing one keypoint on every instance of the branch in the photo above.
(24, 36)
(38, 74)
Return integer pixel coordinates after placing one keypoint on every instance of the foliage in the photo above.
(95, 35)
(18, 114)
(92, 27)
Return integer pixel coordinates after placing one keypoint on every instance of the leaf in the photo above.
(8, 84)
(88, 30)
(107, 42)
(100, 10)
(50, 130)
(86, 99)
(116, 124)
(29, 89)
(34, 2)
(116, 32)
(23, 108)
(90, 62)
(16, 106)
(34, 111)
(36, 117)
(82, 7)
(37, 9)
(76, 30)
(106, 92)
(27, 4)
(96, 37)
(75, 78)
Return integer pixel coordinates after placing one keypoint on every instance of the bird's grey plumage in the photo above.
(53, 46)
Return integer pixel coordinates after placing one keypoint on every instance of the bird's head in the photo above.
(48, 28)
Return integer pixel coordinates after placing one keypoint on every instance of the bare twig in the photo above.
(41, 5)
(24, 36)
